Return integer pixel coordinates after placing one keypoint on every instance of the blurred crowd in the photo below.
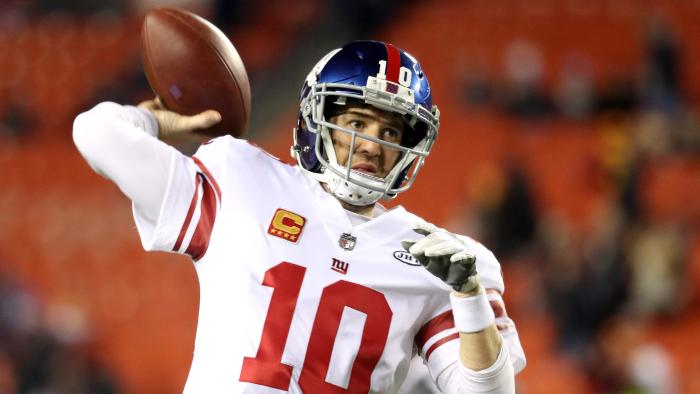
(602, 284)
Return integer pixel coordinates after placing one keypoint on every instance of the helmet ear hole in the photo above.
(413, 134)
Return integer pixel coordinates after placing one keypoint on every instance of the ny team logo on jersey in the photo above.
(340, 266)
(286, 225)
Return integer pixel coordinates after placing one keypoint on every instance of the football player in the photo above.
(308, 284)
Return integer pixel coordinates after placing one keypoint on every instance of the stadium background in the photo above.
(570, 145)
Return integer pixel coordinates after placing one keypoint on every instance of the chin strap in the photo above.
(349, 192)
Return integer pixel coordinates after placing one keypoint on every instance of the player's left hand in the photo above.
(444, 255)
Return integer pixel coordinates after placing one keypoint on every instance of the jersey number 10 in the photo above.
(267, 369)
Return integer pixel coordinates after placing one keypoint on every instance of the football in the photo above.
(192, 66)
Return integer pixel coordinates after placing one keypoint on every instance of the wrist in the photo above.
(149, 122)
(472, 313)
(462, 294)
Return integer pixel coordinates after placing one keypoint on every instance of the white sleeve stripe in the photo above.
(197, 227)
(435, 338)
(209, 177)
(196, 214)
(199, 243)
(190, 213)
(442, 356)
(493, 296)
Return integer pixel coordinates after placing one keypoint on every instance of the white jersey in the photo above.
(293, 296)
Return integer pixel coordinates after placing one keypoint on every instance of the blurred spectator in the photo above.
(230, 13)
(618, 94)
(524, 93)
(621, 166)
(16, 119)
(79, 7)
(662, 80)
(476, 86)
(40, 358)
(366, 15)
(688, 132)
(505, 218)
(655, 253)
(652, 370)
(653, 134)
(130, 86)
(586, 280)
(8, 381)
(202, 7)
(575, 95)
(14, 13)
(624, 361)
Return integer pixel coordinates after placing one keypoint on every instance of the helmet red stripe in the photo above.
(393, 63)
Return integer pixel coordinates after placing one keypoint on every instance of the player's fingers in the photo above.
(462, 275)
(460, 270)
(427, 242)
(469, 285)
(420, 246)
(407, 243)
(208, 118)
(149, 105)
(424, 228)
(444, 248)
(200, 121)
(457, 274)
(466, 256)
(438, 266)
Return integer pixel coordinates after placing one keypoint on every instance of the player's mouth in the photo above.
(367, 168)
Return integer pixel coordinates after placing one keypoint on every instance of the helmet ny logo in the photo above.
(286, 225)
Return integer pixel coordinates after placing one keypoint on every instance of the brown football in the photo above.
(192, 66)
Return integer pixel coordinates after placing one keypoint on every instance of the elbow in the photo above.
(519, 362)
(498, 378)
(81, 126)
(88, 125)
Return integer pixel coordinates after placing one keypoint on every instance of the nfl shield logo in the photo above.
(347, 241)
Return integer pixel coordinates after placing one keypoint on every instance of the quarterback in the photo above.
(307, 283)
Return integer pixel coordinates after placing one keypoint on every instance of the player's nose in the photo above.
(366, 146)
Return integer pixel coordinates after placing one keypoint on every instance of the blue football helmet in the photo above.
(365, 73)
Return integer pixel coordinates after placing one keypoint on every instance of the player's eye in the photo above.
(356, 124)
(391, 135)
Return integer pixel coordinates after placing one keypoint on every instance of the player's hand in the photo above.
(444, 255)
(173, 126)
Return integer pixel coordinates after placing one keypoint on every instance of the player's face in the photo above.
(369, 157)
